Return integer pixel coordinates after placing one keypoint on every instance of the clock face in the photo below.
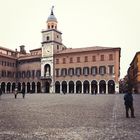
(47, 51)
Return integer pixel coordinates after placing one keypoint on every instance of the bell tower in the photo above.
(51, 44)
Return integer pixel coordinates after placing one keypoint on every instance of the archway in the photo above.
(111, 87)
(47, 87)
(3, 87)
(19, 86)
(78, 87)
(38, 87)
(23, 86)
(102, 87)
(86, 87)
(28, 87)
(57, 87)
(13, 87)
(64, 87)
(71, 87)
(94, 87)
(33, 87)
(8, 87)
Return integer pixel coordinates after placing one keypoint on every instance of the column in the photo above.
(68, 91)
(90, 88)
(60, 88)
(106, 88)
(74, 88)
(98, 87)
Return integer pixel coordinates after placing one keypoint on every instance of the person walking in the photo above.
(0, 93)
(23, 92)
(16, 92)
(128, 102)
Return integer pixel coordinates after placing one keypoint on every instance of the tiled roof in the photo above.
(7, 49)
(26, 57)
(74, 50)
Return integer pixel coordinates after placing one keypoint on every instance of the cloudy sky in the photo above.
(84, 23)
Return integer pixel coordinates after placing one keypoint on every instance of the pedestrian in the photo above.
(16, 92)
(128, 102)
(23, 92)
(0, 92)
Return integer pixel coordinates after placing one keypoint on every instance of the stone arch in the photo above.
(33, 87)
(47, 87)
(8, 87)
(111, 87)
(23, 85)
(19, 86)
(94, 87)
(13, 86)
(71, 87)
(3, 86)
(28, 87)
(64, 87)
(102, 87)
(57, 87)
(38, 87)
(86, 86)
(78, 87)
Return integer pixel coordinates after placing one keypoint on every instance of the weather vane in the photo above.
(52, 10)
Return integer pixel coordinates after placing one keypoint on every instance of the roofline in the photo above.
(134, 57)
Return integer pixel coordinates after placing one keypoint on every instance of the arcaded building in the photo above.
(54, 68)
(134, 73)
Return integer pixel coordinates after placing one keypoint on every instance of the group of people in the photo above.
(128, 101)
(15, 92)
(22, 91)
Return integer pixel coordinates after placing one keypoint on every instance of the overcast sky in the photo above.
(84, 23)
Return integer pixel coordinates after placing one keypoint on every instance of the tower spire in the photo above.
(52, 10)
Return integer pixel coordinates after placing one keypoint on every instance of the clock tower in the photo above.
(51, 43)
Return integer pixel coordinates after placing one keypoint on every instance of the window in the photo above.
(33, 73)
(71, 60)
(38, 73)
(86, 58)
(64, 60)
(78, 59)
(48, 38)
(57, 47)
(102, 70)
(102, 57)
(57, 61)
(28, 74)
(94, 70)
(85, 71)
(23, 74)
(78, 71)
(57, 72)
(71, 71)
(93, 58)
(111, 69)
(110, 56)
(63, 72)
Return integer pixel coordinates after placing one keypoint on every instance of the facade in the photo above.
(134, 73)
(54, 68)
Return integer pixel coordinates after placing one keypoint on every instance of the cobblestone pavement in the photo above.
(67, 117)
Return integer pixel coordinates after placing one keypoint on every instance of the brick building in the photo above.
(54, 68)
(134, 73)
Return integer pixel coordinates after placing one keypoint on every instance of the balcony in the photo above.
(48, 77)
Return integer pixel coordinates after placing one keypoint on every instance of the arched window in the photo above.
(78, 71)
(102, 70)
(71, 71)
(63, 72)
(94, 70)
(85, 71)
(47, 38)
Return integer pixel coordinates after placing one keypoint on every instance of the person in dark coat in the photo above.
(128, 101)
(16, 92)
(23, 92)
